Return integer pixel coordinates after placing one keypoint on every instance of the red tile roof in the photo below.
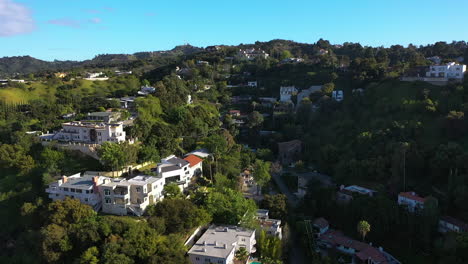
(364, 250)
(456, 222)
(412, 196)
(193, 160)
(372, 253)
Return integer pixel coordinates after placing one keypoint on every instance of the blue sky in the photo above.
(81, 29)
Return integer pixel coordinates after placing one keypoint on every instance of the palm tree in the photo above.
(363, 228)
(242, 254)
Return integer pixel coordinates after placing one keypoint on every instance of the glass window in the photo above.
(79, 191)
(108, 200)
(138, 189)
(65, 189)
(87, 191)
(86, 199)
(106, 192)
(72, 190)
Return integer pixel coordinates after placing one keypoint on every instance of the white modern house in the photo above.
(271, 226)
(450, 224)
(346, 194)
(450, 70)
(145, 90)
(411, 200)
(219, 244)
(84, 188)
(130, 197)
(179, 171)
(106, 117)
(286, 92)
(89, 132)
(337, 95)
(252, 54)
(252, 84)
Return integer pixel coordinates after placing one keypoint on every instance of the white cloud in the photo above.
(95, 20)
(15, 19)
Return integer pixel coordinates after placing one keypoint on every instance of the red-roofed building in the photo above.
(235, 112)
(411, 200)
(359, 251)
(195, 165)
(450, 224)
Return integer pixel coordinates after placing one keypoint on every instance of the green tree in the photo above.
(328, 88)
(112, 155)
(363, 227)
(261, 172)
(90, 256)
(242, 254)
(172, 190)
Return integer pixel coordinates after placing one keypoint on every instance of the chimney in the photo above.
(64, 179)
(95, 180)
(159, 169)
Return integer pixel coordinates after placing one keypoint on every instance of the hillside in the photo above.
(26, 64)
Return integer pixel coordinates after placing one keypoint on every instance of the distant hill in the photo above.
(27, 64)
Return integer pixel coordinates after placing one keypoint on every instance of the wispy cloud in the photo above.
(92, 11)
(15, 19)
(95, 20)
(66, 22)
(150, 14)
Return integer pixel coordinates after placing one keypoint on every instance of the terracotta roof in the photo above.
(193, 160)
(412, 196)
(372, 253)
(364, 251)
(321, 222)
(456, 222)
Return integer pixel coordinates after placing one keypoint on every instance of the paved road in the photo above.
(296, 253)
(292, 199)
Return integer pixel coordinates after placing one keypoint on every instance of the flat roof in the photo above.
(219, 241)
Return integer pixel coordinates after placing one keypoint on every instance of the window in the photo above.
(197, 258)
(87, 191)
(146, 199)
(220, 262)
(108, 200)
(138, 201)
(56, 194)
(138, 189)
(207, 260)
(65, 189)
(243, 240)
(86, 199)
(91, 191)
(79, 191)
(72, 190)
(106, 192)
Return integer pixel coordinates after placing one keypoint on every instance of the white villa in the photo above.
(337, 95)
(271, 226)
(286, 92)
(411, 200)
(89, 132)
(179, 171)
(83, 188)
(220, 243)
(145, 90)
(123, 197)
(450, 70)
(252, 54)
